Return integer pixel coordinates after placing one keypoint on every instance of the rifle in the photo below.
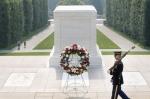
(114, 66)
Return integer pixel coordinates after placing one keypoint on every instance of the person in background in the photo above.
(24, 43)
(18, 44)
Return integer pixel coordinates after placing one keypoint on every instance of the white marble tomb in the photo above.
(75, 24)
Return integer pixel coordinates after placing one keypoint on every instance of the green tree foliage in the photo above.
(130, 17)
(108, 12)
(12, 21)
(36, 14)
(44, 12)
(18, 18)
(126, 16)
(28, 16)
(40, 13)
(147, 23)
(16, 23)
(4, 34)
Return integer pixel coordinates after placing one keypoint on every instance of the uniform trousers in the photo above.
(117, 91)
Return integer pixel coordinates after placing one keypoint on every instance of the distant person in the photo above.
(18, 44)
(117, 78)
(24, 43)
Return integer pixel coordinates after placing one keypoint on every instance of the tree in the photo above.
(16, 20)
(36, 14)
(4, 35)
(17, 17)
(130, 17)
(137, 19)
(147, 23)
(28, 16)
(40, 13)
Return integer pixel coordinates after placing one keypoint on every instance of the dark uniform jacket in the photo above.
(117, 78)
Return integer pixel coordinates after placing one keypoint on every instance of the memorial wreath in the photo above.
(65, 61)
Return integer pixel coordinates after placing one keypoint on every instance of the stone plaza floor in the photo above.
(29, 77)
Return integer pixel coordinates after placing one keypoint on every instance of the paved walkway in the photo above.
(46, 83)
(31, 43)
(122, 42)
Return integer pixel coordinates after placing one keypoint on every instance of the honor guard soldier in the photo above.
(117, 78)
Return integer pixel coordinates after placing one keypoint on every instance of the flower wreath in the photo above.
(84, 60)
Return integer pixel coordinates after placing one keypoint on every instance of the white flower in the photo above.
(67, 55)
(74, 70)
(68, 70)
(82, 57)
(65, 64)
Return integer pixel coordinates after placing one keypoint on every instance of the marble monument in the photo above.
(75, 25)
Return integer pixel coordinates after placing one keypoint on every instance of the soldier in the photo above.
(117, 78)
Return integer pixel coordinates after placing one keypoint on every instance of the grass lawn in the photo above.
(46, 43)
(104, 42)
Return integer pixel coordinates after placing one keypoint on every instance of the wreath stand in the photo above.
(78, 57)
(75, 86)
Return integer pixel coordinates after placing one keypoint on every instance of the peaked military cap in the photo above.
(117, 53)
